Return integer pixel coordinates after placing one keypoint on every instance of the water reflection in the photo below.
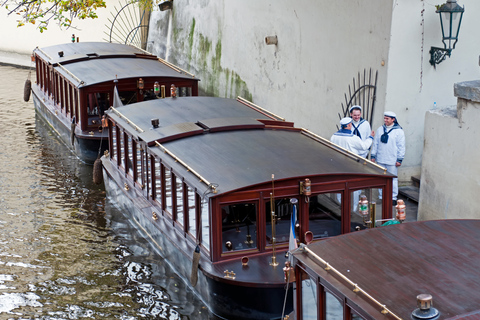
(66, 252)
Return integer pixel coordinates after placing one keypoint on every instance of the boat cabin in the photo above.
(414, 270)
(212, 166)
(75, 81)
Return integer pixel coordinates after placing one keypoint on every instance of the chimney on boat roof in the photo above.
(155, 123)
(425, 311)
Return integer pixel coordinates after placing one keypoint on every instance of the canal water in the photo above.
(66, 252)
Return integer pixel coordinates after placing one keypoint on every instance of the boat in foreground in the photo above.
(204, 178)
(74, 86)
(415, 270)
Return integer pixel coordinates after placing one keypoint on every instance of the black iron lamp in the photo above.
(450, 19)
(166, 5)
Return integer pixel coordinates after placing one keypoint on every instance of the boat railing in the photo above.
(340, 149)
(260, 109)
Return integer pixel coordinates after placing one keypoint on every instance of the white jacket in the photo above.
(391, 152)
(346, 139)
(362, 129)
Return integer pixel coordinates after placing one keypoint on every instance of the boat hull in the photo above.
(86, 147)
(225, 298)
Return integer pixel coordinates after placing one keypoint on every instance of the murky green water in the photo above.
(65, 251)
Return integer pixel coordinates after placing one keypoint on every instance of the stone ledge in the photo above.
(469, 90)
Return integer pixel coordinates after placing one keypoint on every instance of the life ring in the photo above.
(26, 90)
(196, 259)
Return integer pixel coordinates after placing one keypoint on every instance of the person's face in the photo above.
(388, 121)
(356, 114)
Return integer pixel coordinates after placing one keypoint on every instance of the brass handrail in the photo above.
(334, 146)
(71, 74)
(44, 53)
(130, 122)
(356, 288)
(254, 106)
(177, 159)
(171, 65)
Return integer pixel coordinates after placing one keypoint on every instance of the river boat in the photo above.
(417, 270)
(204, 177)
(74, 86)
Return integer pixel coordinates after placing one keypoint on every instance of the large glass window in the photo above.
(357, 220)
(283, 214)
(325, 215)
(239, 226)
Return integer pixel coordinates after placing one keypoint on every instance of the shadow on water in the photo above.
(67, 252)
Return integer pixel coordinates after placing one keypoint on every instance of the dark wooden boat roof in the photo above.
(91, 63)
(231, 144)
(396, 263)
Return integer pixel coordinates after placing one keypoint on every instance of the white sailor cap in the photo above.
(390, 114)
(355, 107)
(345, 121)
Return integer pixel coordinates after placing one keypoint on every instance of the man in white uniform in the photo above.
(388, 148)
(360, 126)
(347, 140)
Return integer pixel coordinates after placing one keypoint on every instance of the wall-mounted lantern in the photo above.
(166, 5)
(450, 19)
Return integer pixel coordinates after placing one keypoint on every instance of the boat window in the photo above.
(139, 162)
(325, 215)
(129, 164)
(356, 218)
(75, 106)
(128, 97)
(191, 211)
(333, 307)
(355, 316)
(148, 175)
(205, 219)
(179, 199)
(70, 99)
(283, 213)
(168, 191)
(309, 299)
(97, 103)
(113, 148)
(158, 181)
(239, 227)
(122, 146)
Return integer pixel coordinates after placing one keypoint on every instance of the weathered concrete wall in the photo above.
(413, 84)
(450, 182)
(322, 45)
